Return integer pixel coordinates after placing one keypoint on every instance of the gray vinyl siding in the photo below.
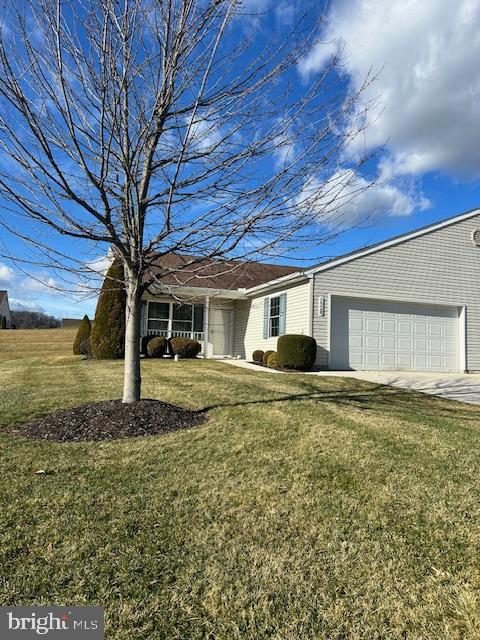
(441, 267)
(248, 332)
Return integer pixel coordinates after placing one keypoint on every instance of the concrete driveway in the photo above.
(454, 386)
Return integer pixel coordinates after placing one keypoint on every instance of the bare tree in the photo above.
(161, 126)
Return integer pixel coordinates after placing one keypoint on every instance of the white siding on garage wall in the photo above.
(248, 334)
(441, 267)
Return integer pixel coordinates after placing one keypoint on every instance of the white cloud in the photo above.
(40, 282)
(285, 13)
(285, 149)
(426, 54)
(204, 135)
(26, 305)
(6, 275)
(348, 199)
(43, 292)
(99, 265)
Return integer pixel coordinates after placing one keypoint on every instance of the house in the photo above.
(409, 303)
(5, 308)
(71, 323)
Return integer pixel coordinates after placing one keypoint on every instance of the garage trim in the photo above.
(462, 320)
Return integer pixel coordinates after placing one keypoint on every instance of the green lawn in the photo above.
(306, 507)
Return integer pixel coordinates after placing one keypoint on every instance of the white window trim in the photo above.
(270, 298)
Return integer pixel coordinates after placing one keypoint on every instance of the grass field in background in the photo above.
(305, 508)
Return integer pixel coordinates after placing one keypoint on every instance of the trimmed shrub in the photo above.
(272, 362)
(108, 332)
(257, 356)
(144, 344)
(85, 348)
(156, 347)
(83, 334)
(185, 347)
(3, 322)
(266, 355)
(296, 352)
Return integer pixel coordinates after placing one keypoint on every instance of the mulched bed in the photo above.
(110, 420)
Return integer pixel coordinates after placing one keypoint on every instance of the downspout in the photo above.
(206, 323)
(311, 305)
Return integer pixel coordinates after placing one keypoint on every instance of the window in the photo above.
(182, 317)
(185, 318)
(198, 318)
(274, 321)
(274, 316)
(188, 317)
(158, 314)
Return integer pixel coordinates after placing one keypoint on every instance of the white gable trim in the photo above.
(390, 243)
(289, 279)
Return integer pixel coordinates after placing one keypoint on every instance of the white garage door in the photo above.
(377, 335)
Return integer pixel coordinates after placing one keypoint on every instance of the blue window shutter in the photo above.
(266, 310)
(283, 313)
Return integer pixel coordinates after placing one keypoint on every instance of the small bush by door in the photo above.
(258, 356)
(185, 347)
(157, 347)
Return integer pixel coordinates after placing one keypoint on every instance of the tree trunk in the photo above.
(132, 381)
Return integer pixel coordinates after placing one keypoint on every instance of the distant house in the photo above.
(5, 308)
(71, 323)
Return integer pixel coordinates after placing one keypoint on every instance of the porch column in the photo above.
(170, 320)
(206, 318)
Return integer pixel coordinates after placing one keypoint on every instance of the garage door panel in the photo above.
(373, 325)
(450, 363)
(388, 343)
(372, 342)
(419, 344)
(368, 334)
(356, 358)
(404, 344)
(420, 361)
(356, 341)
(405, 360)
(388, 360)
(388, 326)
(404, 328)
(420, 329)
(372, 358)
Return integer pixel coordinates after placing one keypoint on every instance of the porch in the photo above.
(210, 322)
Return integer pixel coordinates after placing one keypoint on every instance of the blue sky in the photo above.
(427, 94)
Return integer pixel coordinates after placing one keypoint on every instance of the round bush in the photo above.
(266, 355)
(185, 347)
(156, 347)
(143, 345)
(257, 356)
(83, 334)
(272, 362)
(296, 352)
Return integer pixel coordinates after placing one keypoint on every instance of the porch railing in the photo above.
(194, 335)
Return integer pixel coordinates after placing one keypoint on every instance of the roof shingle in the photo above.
(174, 269)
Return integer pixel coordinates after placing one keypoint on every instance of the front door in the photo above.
(220, 329)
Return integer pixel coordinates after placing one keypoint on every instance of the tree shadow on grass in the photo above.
(379, 398)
